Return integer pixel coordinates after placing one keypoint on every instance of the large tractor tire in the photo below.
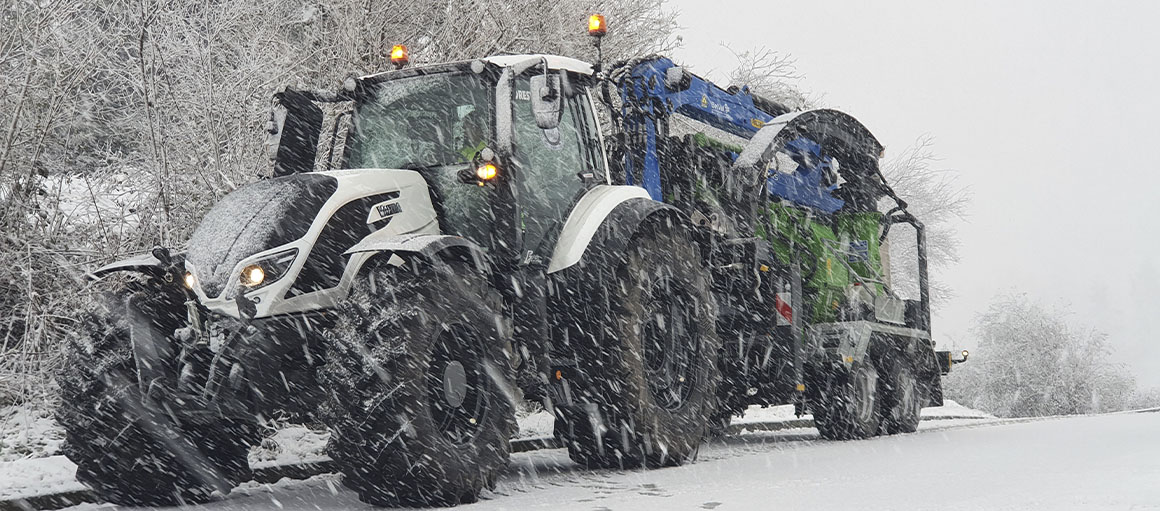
(652, 365)
(847, 405)
(904, 396)
(125, 442)
(421, 409)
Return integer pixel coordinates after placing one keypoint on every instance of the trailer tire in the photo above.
(127, 448)
(848, 404)
(419, 413)
(903, 398)
(653, 363)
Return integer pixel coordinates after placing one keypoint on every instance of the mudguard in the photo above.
(591, 214)
(144, 263)
(607, 233)
(431, 247)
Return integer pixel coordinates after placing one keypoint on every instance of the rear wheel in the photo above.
(848, 405)
(126, 444)
(419, 410)
(652, 365)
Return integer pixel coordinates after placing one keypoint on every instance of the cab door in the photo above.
(555, 166)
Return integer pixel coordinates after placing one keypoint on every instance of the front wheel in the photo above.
(420, 411)
(125, 442)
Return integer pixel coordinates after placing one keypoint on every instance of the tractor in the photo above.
(511, 228)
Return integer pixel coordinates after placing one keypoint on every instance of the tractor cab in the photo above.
(506, 144)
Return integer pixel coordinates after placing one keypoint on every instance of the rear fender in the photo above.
(603, 214)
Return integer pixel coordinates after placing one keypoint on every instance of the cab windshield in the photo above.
(422, 121)
(434, 124)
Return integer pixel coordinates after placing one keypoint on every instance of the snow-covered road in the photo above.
(1094, 462)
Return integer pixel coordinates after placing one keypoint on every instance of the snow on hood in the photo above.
(255, 217)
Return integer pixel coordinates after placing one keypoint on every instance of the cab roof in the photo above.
(554, 62)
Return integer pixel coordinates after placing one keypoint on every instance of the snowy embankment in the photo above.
(949, 410)
(30, 439)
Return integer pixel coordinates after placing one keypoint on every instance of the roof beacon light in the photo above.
(596, 26)
(399, 56)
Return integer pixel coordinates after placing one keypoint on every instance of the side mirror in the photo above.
(292, 133)
(546, 100)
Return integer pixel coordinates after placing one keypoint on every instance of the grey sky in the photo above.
(1047, 109)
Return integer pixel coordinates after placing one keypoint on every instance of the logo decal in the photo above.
(383, 211)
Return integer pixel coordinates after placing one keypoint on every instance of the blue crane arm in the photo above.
(654, 88)
(658, 81)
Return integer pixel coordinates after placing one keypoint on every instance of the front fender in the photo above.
(144, 263)
(430, 247)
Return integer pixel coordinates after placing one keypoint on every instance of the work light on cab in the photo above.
(486, 172)
(399, 56)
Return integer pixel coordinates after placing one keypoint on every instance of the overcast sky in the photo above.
(1048, 110)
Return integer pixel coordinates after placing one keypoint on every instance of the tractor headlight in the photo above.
(189, 280)
(267, 269)
(253, 275)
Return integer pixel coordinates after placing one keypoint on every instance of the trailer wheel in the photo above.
(126, 446)
(420, 413)
(653, 364)
(848, 405)
(903, 399)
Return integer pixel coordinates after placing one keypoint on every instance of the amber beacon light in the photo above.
(596, 25)
(399, 56)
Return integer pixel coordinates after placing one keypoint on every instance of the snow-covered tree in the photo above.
(770, 74)
(1032, 362)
